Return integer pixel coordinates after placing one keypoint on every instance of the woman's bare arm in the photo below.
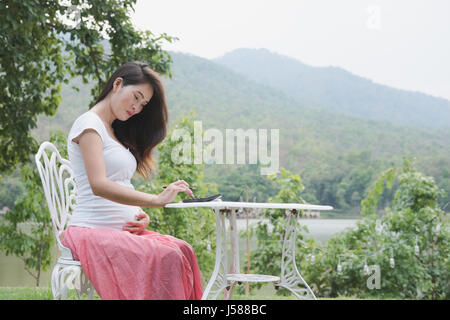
(91, 149)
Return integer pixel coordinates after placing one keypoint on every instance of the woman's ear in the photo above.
(117, 84)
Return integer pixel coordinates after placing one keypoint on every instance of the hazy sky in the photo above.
(401, 43)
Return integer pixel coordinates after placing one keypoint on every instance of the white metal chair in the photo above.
(60, 192)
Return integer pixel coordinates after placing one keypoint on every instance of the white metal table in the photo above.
(223, 275)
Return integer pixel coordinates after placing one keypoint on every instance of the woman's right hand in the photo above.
(172, 190)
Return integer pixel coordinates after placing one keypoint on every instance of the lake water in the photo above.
(320, 229)
(13, 273)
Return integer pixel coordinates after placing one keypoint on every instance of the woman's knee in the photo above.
(183, 245)
(172, 255)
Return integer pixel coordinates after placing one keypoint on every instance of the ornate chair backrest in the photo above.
(59, 186)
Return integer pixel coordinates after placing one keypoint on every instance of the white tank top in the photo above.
(93, 211)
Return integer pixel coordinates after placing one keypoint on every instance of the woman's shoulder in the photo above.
(87, 120)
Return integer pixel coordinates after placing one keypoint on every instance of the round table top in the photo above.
(236, 205)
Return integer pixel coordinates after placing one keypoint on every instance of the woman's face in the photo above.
(126, 101)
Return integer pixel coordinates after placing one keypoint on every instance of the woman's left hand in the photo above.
(139, 225)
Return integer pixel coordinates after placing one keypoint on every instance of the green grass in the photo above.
(45, 293)
(33, 293)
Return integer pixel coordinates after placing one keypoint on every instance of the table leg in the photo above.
(290, 276)
(217, 283)
(234, 252)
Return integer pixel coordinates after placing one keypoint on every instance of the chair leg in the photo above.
(70, 277)
(56, 284)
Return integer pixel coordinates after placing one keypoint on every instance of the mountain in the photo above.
(337, 90)
(224, 98)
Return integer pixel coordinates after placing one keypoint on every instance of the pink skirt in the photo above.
(125, 266)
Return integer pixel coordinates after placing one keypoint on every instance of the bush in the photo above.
(409, 244)
(401, 253)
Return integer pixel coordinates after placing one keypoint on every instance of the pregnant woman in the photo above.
(107, 232)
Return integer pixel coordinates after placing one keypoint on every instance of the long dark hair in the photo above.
(145, 130)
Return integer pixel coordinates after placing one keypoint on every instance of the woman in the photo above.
(107, 232)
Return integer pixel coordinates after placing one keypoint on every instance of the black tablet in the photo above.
(206, 199)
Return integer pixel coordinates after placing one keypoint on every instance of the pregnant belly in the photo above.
(114, 217)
